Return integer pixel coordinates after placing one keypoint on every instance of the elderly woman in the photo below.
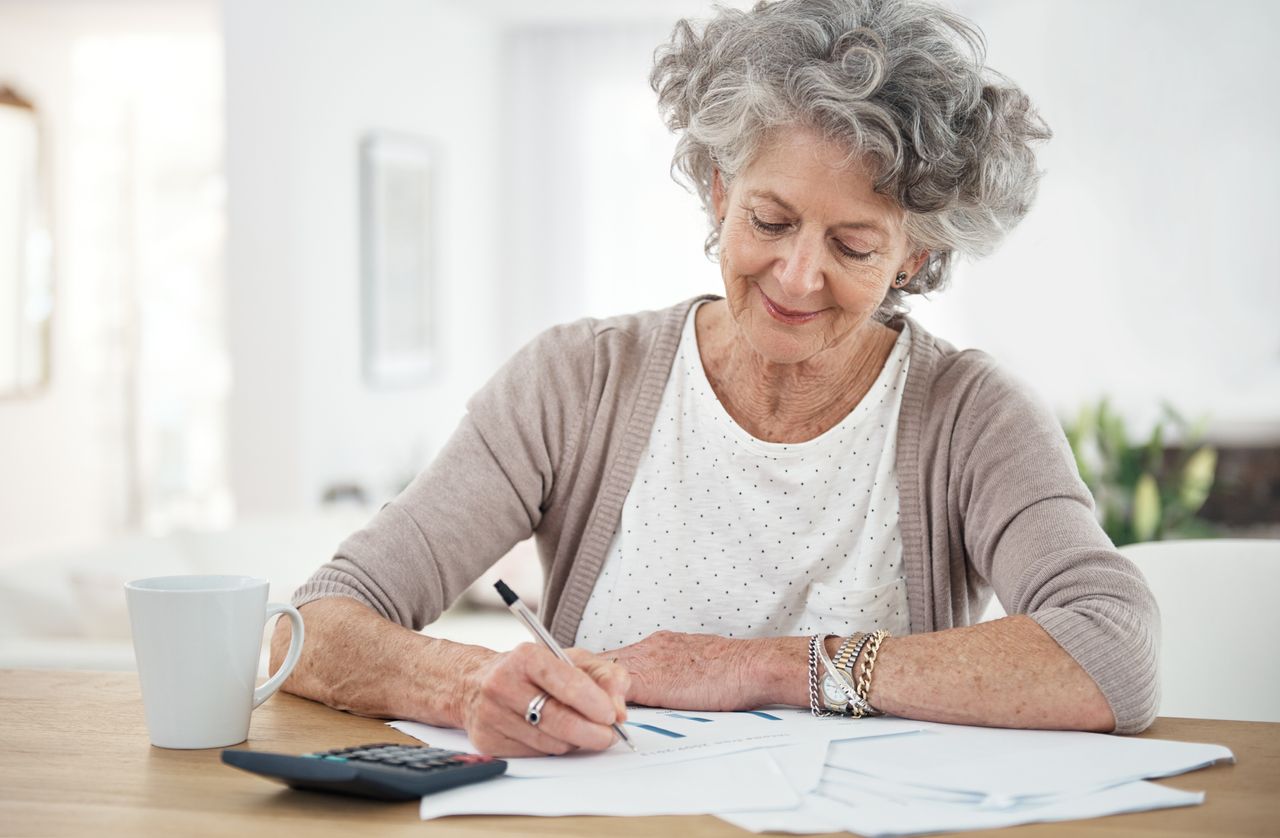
(790, 495)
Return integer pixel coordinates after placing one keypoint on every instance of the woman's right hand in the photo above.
(583, 701)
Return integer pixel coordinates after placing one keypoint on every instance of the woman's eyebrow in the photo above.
(857, 225)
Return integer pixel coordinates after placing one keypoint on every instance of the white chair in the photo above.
(1219, 620)
(1220, 623)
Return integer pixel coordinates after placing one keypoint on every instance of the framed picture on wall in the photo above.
(397, 260)
(26, 251)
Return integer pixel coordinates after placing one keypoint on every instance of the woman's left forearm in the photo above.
(1004, 673)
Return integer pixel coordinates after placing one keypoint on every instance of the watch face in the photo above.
(833, 693)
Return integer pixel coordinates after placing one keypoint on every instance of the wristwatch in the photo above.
(839, 695)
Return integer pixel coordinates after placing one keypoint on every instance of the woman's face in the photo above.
(808, 249)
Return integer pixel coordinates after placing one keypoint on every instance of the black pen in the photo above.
(544, 637)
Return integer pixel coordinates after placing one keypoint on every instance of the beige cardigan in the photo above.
(989, 500)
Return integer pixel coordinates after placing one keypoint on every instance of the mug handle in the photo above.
(268, 689)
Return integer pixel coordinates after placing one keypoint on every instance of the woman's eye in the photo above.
(851, 253)
(767, 227)
(771, 228)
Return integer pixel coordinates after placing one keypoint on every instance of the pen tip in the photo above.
(508, 595)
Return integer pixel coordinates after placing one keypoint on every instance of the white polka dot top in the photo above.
(723, 533)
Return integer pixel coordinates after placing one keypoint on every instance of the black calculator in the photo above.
(383, 771)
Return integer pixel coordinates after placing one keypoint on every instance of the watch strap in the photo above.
(842, 659)
(850, 706)
(855, 705)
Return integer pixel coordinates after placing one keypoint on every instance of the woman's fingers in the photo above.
(565, 724)
(495, 744)
(578, 711)
(531, 740)
(612, 677)
(584, 699)
(570, 685)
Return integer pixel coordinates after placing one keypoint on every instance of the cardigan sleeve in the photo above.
(485, 491)
(1029, 529)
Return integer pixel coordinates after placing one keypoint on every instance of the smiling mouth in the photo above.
(786, 315)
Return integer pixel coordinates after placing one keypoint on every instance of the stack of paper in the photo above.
(953, 777)
(783, 770)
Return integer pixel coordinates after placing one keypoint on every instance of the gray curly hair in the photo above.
(900, 83)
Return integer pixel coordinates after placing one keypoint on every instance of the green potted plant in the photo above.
(1144, 492)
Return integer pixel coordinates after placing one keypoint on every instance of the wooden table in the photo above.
(75, 760)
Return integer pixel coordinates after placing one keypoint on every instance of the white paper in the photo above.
(1009, 765)
(802, 763)
(765, 772)
(666, 736)
(907, 793)
(834, 776)
(750, 780)
(448, 738)
(815, 815)
(870, 815)
(874, 816)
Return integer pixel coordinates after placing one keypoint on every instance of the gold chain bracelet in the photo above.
(869, 664)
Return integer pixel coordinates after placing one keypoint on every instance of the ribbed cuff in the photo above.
(330, 583)
(1123, 666)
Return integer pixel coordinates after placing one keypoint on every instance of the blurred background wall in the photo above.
(132, 409)
(305, 82)
(201, 158)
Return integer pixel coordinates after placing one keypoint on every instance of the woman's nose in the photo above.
(800, 271)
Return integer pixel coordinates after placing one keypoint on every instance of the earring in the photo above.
(900, 280)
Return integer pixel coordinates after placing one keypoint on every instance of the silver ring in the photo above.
(533, 715)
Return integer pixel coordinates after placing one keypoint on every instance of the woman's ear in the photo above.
(717, 195)
(913, 265)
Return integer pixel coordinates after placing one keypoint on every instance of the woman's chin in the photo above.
(775, 342)
(786, 345)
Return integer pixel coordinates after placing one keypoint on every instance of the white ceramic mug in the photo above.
(197, 640)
